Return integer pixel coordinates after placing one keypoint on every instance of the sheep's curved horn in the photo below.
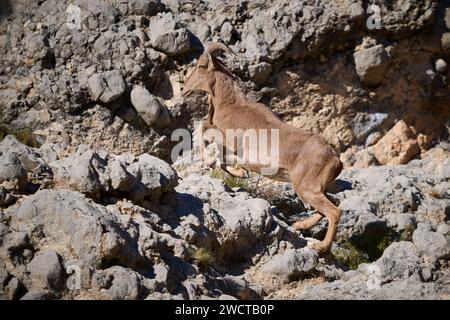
(218, 46)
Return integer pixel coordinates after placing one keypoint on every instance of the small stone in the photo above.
(260, 72)
(443, 229)
(427, 274)
(445, 42)
(107, 87)
(432, 243)
(371, 64)
(45, 269)
(440, 66)
(226, 32)
(292, 263)
(16, 241)
(146, 104)
(12, 170)
(12, 289)
(398, 146)
(447, 17)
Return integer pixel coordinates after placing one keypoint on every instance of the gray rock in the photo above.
(95, 172)
(447, 17)
(440, 66)
(357, 288)
(12, 170)
(391, 197)
(6, 198)
(293, 264)
(238, 222)
(108, 86)
(432, 243)
(69, 220)
(29, 158)
(173, 42)
(445, 42)
(12, 289)
(260, 72)
(444, 229)
(16, 241)
(399, 261)
(98, 15)
(4, 277)
(143, 7)
(118, 283)
(46, 271)
(233, 286)
(36, 295)
(371, 64)
(427, 274)
(148, 106)
(164, 296)
(373, 138)
(80, 172)
(164, 35)
(400, 221)
(227, 32)
(152, 175)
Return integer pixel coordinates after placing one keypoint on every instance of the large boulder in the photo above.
(293, 264)
(434, 244)
(235, 220)
(138, 7)
(165, 35)
(29, 158)
(118, 283)
(371, 64)
(357, 288)
(46, 271)
(12, 171)
(148, 106)
(260, 72)
(96, 172)
(75, 225)
(398, 146)
(80, 172)
(400, 260)
(108, 86)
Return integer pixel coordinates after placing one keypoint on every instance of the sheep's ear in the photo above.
(212, 63)
(212, 86)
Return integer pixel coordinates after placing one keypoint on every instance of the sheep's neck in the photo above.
(225, 92)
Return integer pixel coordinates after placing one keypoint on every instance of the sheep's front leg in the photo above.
(206, 125)
(210, 111)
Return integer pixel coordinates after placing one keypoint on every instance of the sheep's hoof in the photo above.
(318, 246)
(237, 172)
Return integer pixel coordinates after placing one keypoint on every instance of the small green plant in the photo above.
(25, 136)
(3, 133)
(349, 255)
(434, 193)
(204, 257)
(363, 248)
(406, 234)
(229, 180)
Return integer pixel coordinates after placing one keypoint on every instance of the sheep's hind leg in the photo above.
(309, 222)
(321, 203)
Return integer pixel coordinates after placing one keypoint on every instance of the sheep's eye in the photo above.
(202, 67)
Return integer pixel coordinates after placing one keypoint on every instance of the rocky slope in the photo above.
(91, 205)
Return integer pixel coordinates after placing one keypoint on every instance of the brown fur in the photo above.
(307, 159)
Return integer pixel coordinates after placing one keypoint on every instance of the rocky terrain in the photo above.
(93, 207)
